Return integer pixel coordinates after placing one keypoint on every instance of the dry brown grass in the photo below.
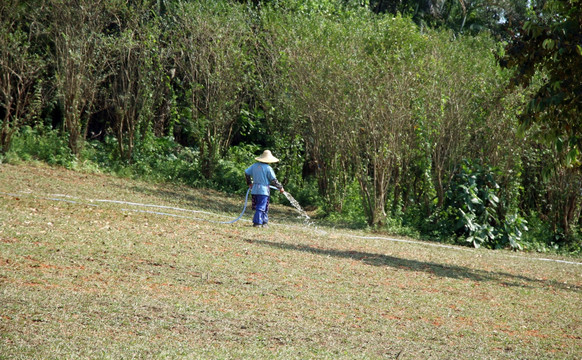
(87, 279)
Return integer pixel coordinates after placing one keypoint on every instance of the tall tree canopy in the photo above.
(392, 114)
(497, 16)
(550, 45)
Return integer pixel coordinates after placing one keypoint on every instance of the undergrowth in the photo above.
(162, 160)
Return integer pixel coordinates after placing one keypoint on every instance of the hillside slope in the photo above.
(94, 266)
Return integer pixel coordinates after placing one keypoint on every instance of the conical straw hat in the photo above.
(267, 158)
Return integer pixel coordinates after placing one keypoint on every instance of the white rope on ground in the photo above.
(56, 198)
(459, 248)
(136, 204)
(179, 209)
(154, 206)
(88, 202)
(182, 216)
(186, 217)
(425, 243)
(545, 259)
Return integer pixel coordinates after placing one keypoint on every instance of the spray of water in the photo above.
(299, 209)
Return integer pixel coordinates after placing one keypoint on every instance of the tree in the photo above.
(213, 61)
(548, 49)
(496, 16)
(78, 35)
(318, 92)
(21, 72)
(385, 134)
(139, 78)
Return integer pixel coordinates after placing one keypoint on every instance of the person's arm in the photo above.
(248, 177)
(278, 185)
(273, 179)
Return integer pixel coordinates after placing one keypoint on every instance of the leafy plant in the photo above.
(44, 144)
(474, 196)
(512, 232)
(472, 193)
(229, 175)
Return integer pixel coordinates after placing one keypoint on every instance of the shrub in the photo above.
(473, 200)
(229, 176)
(44, 144)
(352, 212)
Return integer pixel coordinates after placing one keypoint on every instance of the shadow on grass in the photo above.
(448, 271)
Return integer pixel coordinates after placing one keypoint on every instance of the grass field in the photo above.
(81, 278)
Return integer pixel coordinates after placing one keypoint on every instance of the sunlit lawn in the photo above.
(90, 279)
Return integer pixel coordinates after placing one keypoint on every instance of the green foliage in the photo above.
(229, 176)
(468, 16)
(43, 144)
(164, 160)
(290, 150)
(512, 230)
(216, 76)
(549, 42)
(307, 194)
(317, 8)
(352, 214)
(370, 115)
(539, 237)
(22, 73)
(474, 196)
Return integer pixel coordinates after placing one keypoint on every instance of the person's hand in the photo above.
(250, 186)
(282, 190)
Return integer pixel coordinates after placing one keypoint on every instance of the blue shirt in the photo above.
(262, 175)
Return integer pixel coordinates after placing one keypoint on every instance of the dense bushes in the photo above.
(377, 122)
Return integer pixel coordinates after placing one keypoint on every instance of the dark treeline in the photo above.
(395, 115)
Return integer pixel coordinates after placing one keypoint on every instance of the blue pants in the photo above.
(261, 207)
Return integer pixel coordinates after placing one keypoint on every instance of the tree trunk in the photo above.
(5, 134)
(569, 213)
(440, 189)
(74, 136)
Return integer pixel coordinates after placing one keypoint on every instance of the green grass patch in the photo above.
(88, 279)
